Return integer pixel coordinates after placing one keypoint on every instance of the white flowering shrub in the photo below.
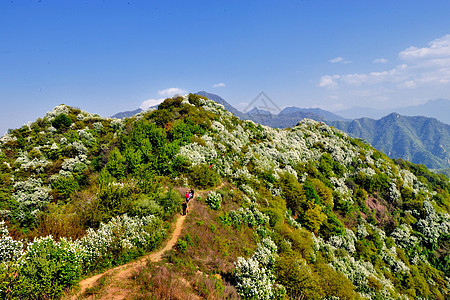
(36, 163)
(10, 250)
(434, 224)
(291, 221)
(394, 193)
(80, 148)
(75, 165)
(197, 154)
(87, 136)
(32, 197)
(254, 275)
(357, 270)
(57, 110)
(119, 235)
(98, 126)
(248, 216)
(48, 268)
(346, 241)
(7, 138)
(247, 190)
(341, 188)
(214, 200)
(117, 124)
(389, 255)
(403, 237)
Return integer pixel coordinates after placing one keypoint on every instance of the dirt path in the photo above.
(117, 288)
(121, 273)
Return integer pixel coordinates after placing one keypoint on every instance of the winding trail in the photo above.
(117, 289)
(121, 273)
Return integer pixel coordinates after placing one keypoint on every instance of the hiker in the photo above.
(187, 196)
(184, 205)
(192, 193)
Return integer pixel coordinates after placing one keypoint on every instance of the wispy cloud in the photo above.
(167, 93)
(150, 102)
(219, 85)
(170, 92)
(421, 67)
(380, 61)
(339, 60)
(437, 49)
(328, 81)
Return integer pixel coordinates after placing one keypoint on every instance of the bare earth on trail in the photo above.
(120, 274)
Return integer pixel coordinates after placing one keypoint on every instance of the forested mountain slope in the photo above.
(417, 139)
(304, 212)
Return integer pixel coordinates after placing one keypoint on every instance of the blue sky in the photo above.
(109, 56)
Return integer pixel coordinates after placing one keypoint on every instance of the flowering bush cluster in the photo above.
(250, 216)
(333, 180)
(121, 234)
(32, 197)
(47, 266)
(434, 224)
(38, 163)
(10, 250)
(214, 200)
(254, 275)
(357, 270)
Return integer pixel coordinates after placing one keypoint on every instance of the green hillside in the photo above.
(417, 139)
(300, 213)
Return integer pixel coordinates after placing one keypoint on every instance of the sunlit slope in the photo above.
(306, 200)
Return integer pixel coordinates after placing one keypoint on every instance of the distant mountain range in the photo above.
(227, 105)
(127, 114)
(419, 139)
(288, 117)
(439, 109)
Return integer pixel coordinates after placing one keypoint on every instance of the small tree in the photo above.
(61, 121)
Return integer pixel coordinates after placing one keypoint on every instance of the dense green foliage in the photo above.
(420, 140)
(326, 215)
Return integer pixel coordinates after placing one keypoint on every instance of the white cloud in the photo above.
(167, 93)
(336, 59)
(339, 60)
(438, 48)
(219, 85)
(424, 67)
(170, 92)
(150, 102)
(355, 79)
(380, 61)
(328, 81)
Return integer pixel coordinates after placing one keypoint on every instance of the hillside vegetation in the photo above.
(301, 213)
(417, 139)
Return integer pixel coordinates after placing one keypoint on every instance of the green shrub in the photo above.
(181, 245)
(116, 164)
(61, 121)
(49, 268)
(203, 176)
(298, 279)
(65, 185)
(170, 203)
(145, 206)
